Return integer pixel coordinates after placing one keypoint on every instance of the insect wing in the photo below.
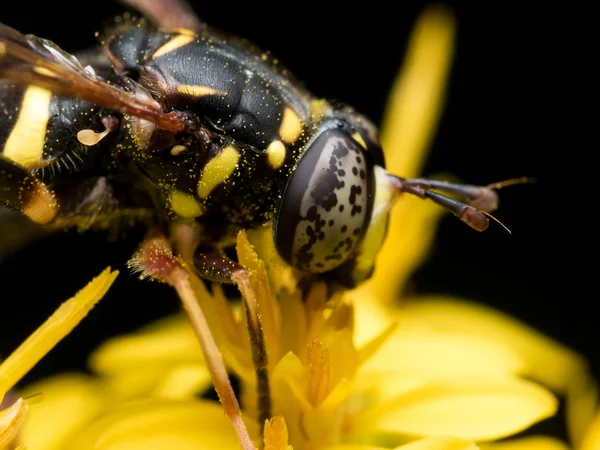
(27, 59)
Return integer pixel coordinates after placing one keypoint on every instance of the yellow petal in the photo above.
(11, 420)
(412, 226)
(417, 96)
(267, 309)
(183, 381)
(439, 443)
(440, 355)
(471, 409)
(591, 440)
(159, 425)
(528, 443)
(281, 274)
(546, 360)
(353, 447)
(69, 402)
(582, 405)
(164, 343)
(64, 319)
(413, 110)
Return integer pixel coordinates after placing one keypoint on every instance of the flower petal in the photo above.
(582, 405)
(64, 319)
(11, 420)
(159, 425)
(416, 99)
(546, 360)
(412, 226)
(183, 381)
(440, 355)
(591, 440)
(528, 443)
(439, 443)
(69, 402)
(164, 343)
(413, 110)
(472, 409)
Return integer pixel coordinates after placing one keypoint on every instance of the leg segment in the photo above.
(212, 265)
(168, 14)
(156, 260)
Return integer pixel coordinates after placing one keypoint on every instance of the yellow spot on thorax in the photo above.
(291, 126)
(276, 154)
(198, 91)
(25, 144)
(217, 170)
(358, 138)
(185, 205)
(178, 150)
(173, 44)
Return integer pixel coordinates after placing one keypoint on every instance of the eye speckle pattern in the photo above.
(330, 207)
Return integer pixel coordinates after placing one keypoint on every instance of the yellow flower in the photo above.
(39, 343)
(345, 372)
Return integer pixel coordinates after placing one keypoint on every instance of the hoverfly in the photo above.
(177, 125)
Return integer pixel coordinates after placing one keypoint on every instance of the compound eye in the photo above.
(326, 206)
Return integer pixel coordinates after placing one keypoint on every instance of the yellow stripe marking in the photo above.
(173, 44)
(358, 138)
(198, 91)
(217, 170)
(291, 126)
(185, 205)
(276, 154)
(25, 144)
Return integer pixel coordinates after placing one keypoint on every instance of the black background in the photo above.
(522, 101)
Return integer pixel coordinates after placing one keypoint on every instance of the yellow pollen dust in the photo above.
(276, 434)
(41, 207)
(198, 91)
(318, 362)
(25, 144)
(291, 126)
(318, 108)
(173, 44)
(276, 154)
(185, 205)
(358, 138)
(217, 170)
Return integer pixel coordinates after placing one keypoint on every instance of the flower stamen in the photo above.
(318, 362)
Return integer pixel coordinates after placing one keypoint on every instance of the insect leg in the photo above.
(25, 193)
(168, 14)
(155, 260)
(212, 265)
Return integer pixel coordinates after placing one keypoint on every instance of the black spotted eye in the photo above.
(326, 206)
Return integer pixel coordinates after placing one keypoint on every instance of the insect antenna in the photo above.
(476, 204)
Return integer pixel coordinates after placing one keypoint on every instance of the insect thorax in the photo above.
(254, 123)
